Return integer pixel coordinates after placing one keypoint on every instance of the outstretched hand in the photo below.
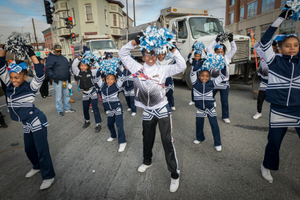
(286, 13)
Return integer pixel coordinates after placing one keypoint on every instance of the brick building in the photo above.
(242, 16)
(48, 38)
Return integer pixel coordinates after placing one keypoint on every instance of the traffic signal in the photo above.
(69, 22)
(73, 37)
(48, 12)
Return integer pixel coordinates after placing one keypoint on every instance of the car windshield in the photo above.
(205, 26)
(105, 44)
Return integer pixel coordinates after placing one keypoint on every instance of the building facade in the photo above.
(244, 16)
(48, 38)
(90, 17)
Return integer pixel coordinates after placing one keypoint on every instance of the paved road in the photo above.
(233, 173)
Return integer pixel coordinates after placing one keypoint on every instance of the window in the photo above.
(287, 27)
(231, 18)
(88, 12)
(204, 26)
(241, 13)
(240, 32)
(264, 28)
(121, 21)
(249, 32)
(267, 5)
(105, 16)
(182, 31)
(231, 2)
(252, 9)
(62, 21)
(114, 19)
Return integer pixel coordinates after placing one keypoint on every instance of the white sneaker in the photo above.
(46, 183)
(173, 108)
(191, 103)
(122, 147)
(174, 185)
(218, 148)
(215, 104)
(110, 139)
(266, 174)
(257, 115)
(128, 109)
(133, 114)
(227, 121)
(32, 172)
(197, 142)
(143, 168)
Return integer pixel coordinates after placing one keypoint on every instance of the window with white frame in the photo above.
(287, 27)
(252, 9)
(231, 17)
(242, 13)
(88, 12)
(114, 20)
(267, 5)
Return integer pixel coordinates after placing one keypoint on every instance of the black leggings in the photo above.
(260, 100)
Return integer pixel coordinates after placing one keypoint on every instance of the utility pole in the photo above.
(127, 20)
(37, 45)
(134, 12)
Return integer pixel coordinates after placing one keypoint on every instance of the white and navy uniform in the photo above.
(283, 92)
(89, 91)
(150, 94)
(204, 102)
(223, 87)
(169, 85)
(263, 71)
(113, 106)
(128, 89)
(21, 108)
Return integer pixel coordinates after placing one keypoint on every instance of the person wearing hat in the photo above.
(57, 68)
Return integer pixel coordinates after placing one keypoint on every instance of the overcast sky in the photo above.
(16, 14)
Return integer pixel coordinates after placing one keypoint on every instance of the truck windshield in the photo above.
(204, 26)
(105, 44)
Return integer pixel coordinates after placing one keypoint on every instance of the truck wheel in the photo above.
(188, 77)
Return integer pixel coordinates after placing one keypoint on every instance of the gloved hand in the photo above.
(218, 37)
(55, 80)
(286, 13)
(230, 37)
(137, 39)
(30, 51)
(92, 60)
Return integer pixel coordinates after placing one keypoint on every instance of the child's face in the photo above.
(220, 51)
(161, 56)
(17, 79)
(197, 57)
(290, 47)
(204, 76)
(150, 58)
(110, 79)
(83, 67)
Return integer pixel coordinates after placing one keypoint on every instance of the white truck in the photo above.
(192, 25)
(98, 44)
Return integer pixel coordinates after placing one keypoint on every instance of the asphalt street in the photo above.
(89, 167)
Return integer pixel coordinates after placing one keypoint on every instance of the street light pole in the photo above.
(134, 12)
(22, 29)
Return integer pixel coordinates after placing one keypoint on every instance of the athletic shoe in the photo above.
(61, 114)
(266, 173)
(46, 183)
(122, 147)
(191, 103)
(32, 172)
(86, 124)
(173, 108)
(110, 139)
(98, 128)
(133, 114)
(174, 185)
(128, 109)
(215, 104)
(197, 142)
(218, 148)
(227, 121)
(257, 115)
(143, 168)
(70, 110)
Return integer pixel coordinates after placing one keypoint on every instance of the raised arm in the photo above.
(220, 78)
(178, 67)
(129, 62)
(3, 71)
(75, 66)
(120, 80)
(94, 71)
(190, 57)
(39, 77)
(193, 76)
(210, 47)
(98, 81)
(232, 51)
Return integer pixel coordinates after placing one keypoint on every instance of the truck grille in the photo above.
(242, 53)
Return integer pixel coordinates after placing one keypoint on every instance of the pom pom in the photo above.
(168, 56)
(157, 40)
(109, 66)
(87, 56)
(295, 7)
(213, 62)
(17, 46)
(223, 36)
(199, 47)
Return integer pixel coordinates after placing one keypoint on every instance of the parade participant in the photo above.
(21, 95)
(58, 69)
(282, 91)
(196, 60)
(82, 69)
(169, 85)
(149, 80)
(44, 90)
(128, 90)
(203, 97)
(109, 93)
(224, 86)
